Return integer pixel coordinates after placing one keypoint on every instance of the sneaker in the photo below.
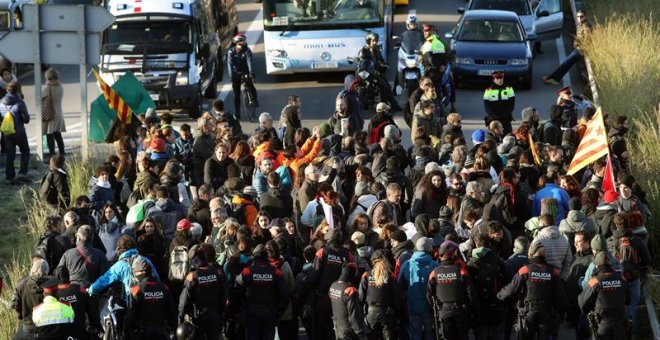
(549, 81)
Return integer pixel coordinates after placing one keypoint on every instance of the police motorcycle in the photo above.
(409, 67)
(366, 74)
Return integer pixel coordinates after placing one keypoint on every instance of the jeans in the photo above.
(11, 142)
(565, 65)
(420, 326)
(51, 139)
(635, 294)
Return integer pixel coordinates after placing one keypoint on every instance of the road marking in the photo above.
(561, 54)
(252, 35)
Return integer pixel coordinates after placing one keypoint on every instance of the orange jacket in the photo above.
(307, 156)
(250, 211)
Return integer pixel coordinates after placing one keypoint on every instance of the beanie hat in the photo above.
(392, 163)
(610, 196)
(399, 236)
(601, 258)
(391, 132)
(250, 190)
(447, 248)
(598, 243)
(183, 224)
(424, 244)
(172, 169)
(324, 130)
(196, 230)
(575, 204)
(445, 211)
(527, 113)
(382, 107)
(431, 166)
(478, 136)
(361, 188)
(507, 143)
(358, 238)
(140, 264)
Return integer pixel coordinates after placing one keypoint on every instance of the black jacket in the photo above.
(51, 247)
(27, 295)
(215, 172)
(84, 263)
(277, 202)
(55, 189)
(200, 212)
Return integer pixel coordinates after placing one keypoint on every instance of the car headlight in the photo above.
(411, 63)
(181, 78)
(519, 61)
(363, 74)
(275, 53)
(464, 60)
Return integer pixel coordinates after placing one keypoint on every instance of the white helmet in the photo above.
(412, 19)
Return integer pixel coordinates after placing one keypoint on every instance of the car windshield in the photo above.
(411, 41)
(520, 7)
(310, 13)
(490, 30)
(161, 36)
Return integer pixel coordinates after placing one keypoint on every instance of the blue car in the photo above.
(488, 40)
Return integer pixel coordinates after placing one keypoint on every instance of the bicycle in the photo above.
(112, 314)
(249, 104)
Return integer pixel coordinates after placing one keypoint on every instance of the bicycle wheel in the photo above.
(248, 105)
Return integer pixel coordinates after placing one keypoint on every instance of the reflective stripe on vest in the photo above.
(493, 95)
(52, 312)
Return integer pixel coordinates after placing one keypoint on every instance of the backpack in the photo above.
(319, 216)
(374, 135)
(286, 180)
(134, 197)
(129, 260)
(179, 264)
(627, 255)
(136, 213)
(237, 211)
(46, 189)
(486, 278)
(419, 274)
(370, 210)
(7, 127)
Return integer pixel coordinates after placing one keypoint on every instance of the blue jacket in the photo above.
(13, 103)
(552, 190)
(259, 182)
(120, 271)
(414, 277)
(99, 196)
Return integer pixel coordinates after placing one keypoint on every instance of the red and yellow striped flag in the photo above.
(532, 147)
(592, 146)
(124, 112)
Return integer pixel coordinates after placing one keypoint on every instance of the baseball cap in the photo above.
(478, 136)
(382, 107)
(184, 224)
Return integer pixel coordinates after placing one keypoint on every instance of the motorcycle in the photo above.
(409, 67)
(367, 74)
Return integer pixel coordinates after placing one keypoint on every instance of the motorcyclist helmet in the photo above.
(185, 331)
(239, 38)
(411, 20)
(372, 36)
(140, 266)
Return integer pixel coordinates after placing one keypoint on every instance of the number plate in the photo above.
(154, 96)
(484, 72)
(325, 65)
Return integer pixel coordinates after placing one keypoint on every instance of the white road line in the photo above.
(252, 34)
(561, 53)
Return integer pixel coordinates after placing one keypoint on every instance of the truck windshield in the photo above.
(310, 14)
(156, 36)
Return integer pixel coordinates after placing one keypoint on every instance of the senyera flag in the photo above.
(592, 146)
(124, 112)
(532, 146)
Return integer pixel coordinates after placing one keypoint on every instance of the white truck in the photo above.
(175, 48)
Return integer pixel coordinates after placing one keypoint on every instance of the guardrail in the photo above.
(648, 300)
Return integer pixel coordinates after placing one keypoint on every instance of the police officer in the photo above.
(499, 102)
(53, 319)
(328, 264)
(450, 290)
(379, 294)
(239, 64)
(152, 308)
(28, 294)
(543, 299)
(83, 307)
(568, 107)
(372, 51)
(604, 300)
(433, 45)
(266, 295)
(346, 309)
(203, 297)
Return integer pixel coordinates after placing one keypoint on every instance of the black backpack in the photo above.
(487, 278)
(46, 189)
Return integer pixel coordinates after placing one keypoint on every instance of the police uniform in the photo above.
(499, 102)
(266, 297)
(151, 310)
(380, 305)
(203, 298)
(606, 295)
(53, 319)
(76, 296)
(543, 301)
(346, 309)
(451, 288)
(239, 63)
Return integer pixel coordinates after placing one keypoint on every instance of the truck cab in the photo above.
(173, 47)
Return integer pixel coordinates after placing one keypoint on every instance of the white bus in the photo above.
(319, 35)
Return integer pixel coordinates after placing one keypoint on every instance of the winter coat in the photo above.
(574, 222)
(290, 281)
(432, 125)
(427, 203)
(361, 207)
(413, 278)
(13, 103)
(120, 272)
(557, 251)
(51, 246)
(215, 172)
(603, 216)
(203, 147)
(109, 233)
(277, 203)
(246, 165)
(513, 264)
(84, 263)
(57, 192)
(335, 122)
(260, 182)
(389, 176)
(27, 295)
(200, 212)
(153, 247)
(56, 92)
(100, 196)
(144, 181)
(250, 210)
(167, 213)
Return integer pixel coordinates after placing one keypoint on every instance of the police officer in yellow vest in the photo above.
(432, 44)
(499, 102)
(53, 319)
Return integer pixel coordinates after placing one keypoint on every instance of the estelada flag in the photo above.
(124, 112)
(592, 146)
(608, 177)
(532, 147)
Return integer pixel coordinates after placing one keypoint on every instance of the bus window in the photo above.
(285, 13)
(5, 23)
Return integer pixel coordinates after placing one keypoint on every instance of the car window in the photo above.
(490, 30)
(520, 7)
(551, 6)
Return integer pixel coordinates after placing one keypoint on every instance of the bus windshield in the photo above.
(280, 14)
(134, 36)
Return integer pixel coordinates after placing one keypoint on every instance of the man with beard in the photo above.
(344, 122)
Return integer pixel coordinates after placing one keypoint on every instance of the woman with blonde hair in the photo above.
(378, 292)
(53, 128)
